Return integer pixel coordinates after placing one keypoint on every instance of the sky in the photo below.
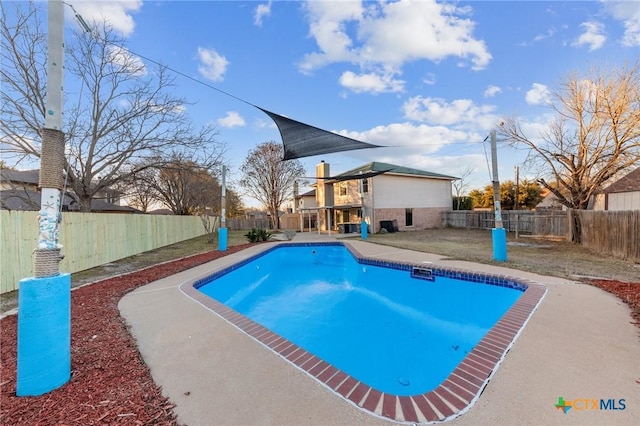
(428, 79)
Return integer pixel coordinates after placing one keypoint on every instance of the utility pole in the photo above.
(499, 235)
(515, 203)
(496, 182)
(44, 301)
(222, 231)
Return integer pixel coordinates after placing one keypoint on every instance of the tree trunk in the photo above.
(575, 226)
(85, 204)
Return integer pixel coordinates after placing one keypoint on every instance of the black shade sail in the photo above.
(302, 140)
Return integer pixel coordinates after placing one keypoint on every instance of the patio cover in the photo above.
(341, 178)
(303, 140)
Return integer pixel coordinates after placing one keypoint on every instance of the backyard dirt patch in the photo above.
(110, 383)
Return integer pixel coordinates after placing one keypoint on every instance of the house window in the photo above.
(408, 217)
(365, 185)
(345, 216)
(343, 189)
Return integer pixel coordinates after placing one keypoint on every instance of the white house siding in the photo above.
(624, 201)
(405, 191)
(427, 198)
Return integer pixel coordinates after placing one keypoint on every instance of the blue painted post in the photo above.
(44, 330)
(222, 239)
(498, 234)
(499, 239)
(44, 302)
(222, 232)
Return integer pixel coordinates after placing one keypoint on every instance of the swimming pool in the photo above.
(406, 348)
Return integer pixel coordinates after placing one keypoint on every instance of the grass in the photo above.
(545, 257)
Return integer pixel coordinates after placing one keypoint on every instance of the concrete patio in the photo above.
(579, 344)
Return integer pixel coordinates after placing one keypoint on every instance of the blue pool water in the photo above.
(397, 334)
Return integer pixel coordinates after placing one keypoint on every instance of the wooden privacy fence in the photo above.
(88, 239)
(611, 232)
(242, 224)
(525, 222)
(615, 233)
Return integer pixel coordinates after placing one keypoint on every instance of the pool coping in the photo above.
(452, 398)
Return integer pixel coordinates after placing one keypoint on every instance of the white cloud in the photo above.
(126, 60)
(460, 112)
(232, 119)
(492, 91)
(550, 33)
(429, 79)
(386, 35)
(594, 35)
(260, 12)
(373, 83)
(629, 13)
(420, 138)
(118, 13)
(213, 65)
(539, 94)
(264, 124)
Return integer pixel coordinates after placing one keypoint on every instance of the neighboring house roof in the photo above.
(20, 176)
(162, 211)
(102, 206)
(550, 201)
(311, 193)
(377, 166)
(628, 183)
(24, 199)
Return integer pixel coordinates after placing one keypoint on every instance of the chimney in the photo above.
(322, 169)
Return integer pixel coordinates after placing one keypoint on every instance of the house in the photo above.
(19, 191)
(549, 201)
(623, 194)
(403, 197)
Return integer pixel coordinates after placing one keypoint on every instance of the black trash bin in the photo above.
(388, 225)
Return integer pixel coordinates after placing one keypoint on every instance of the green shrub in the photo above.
(257, 234)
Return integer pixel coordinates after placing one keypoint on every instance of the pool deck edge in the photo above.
(163, 322)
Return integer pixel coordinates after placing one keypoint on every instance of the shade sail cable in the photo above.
(299, 139)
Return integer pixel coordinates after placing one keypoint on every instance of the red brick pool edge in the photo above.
(453, 397)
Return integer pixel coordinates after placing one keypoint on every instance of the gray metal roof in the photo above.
(377, 166)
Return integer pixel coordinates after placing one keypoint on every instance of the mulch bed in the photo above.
(628, 292)
(110, 383)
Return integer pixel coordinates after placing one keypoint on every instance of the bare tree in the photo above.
(461, 184)
(186, 187)
(595, 136)
(138, 190)
(268, 179)
(122, 119)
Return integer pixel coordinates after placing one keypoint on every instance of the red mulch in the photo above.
(110, 383)
(628, 292)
